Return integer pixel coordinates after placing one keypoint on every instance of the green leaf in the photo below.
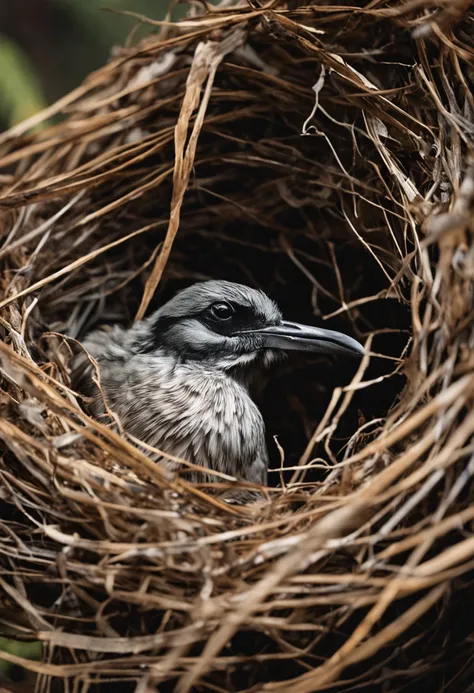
(27, 650)
(20, 89)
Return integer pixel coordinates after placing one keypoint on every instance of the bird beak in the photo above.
(291, 336)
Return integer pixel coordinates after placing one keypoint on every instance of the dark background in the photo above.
(47, 47)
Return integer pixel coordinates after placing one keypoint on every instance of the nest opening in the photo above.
(296, 394)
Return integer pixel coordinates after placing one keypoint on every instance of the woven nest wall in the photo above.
(318, 152)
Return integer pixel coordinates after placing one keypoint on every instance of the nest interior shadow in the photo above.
(321, 154)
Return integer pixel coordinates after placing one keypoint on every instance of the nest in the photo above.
(321, 153)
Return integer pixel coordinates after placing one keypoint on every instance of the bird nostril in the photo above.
(291, 326)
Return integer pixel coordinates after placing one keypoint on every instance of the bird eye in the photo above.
(222, 311)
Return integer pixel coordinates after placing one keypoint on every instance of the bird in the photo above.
(180, 380)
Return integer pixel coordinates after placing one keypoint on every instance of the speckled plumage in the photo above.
(198, 409)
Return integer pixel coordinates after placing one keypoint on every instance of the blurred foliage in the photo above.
(110, 27)
(28, 650)
(20, 86)
(47, 47)
(14, 677)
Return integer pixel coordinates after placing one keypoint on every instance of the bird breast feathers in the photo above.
(204, 413)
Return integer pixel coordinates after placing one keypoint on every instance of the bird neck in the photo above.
(242, 369)
(244, 375)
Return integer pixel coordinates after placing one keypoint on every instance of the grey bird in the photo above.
(180, 379)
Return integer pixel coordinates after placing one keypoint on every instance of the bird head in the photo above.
(230, 326)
